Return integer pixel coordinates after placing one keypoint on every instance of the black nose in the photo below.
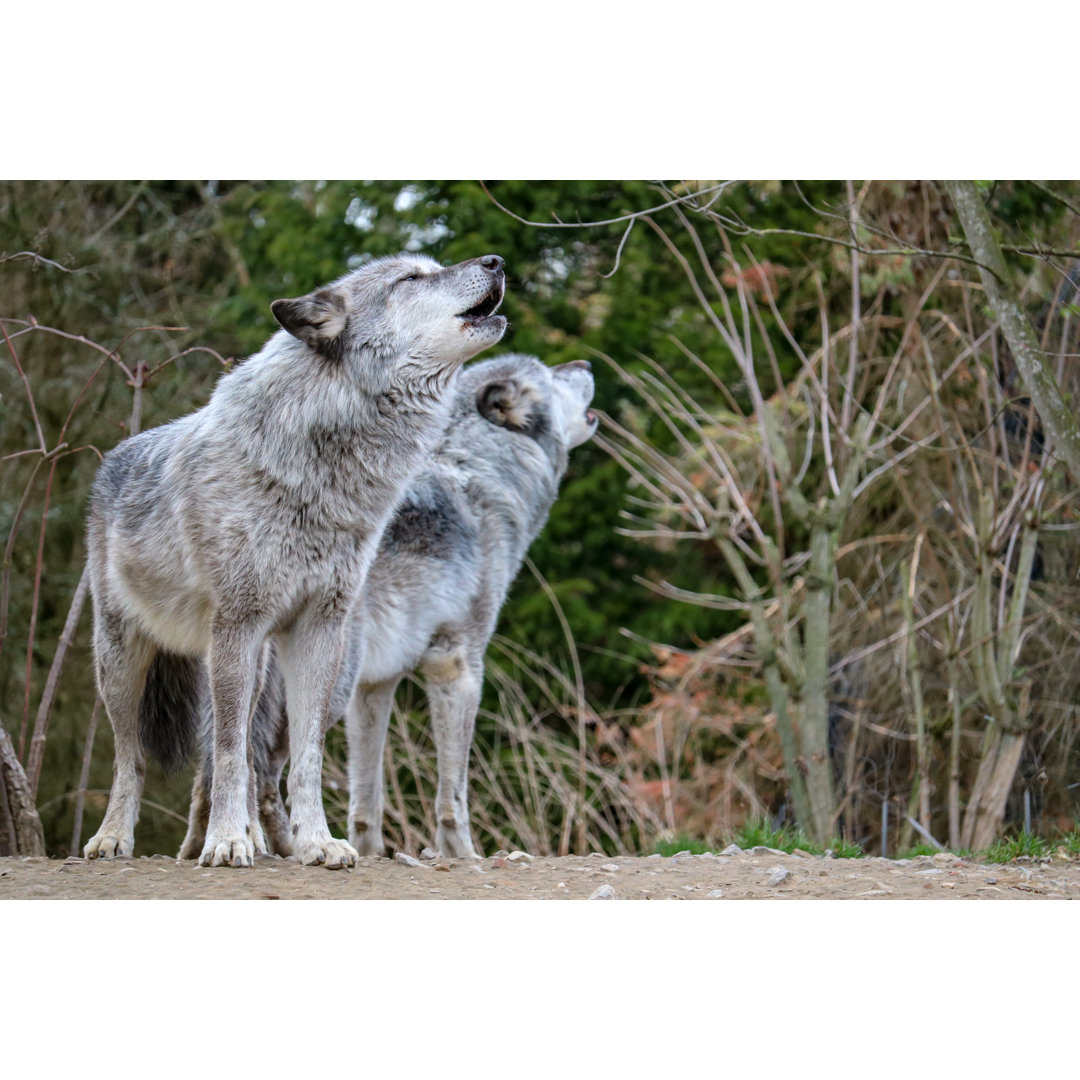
(492, 263)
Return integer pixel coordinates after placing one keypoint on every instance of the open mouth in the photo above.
(591, 417)
(487, 306)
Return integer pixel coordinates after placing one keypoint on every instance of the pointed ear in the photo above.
(317, 319)
(512, 404)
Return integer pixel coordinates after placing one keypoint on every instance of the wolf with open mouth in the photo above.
(257, 517)
(445, 563)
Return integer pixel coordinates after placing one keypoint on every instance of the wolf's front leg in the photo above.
(310, 655)
(234, 653)
(366, 722)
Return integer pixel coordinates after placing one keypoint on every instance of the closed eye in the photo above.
(411, 277)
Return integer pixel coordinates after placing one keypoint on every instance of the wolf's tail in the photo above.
(169, 709)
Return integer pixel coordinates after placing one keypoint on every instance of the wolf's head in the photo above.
(548, 404)
(405, 318)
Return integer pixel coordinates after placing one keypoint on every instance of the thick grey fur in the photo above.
(443, 568)
(257, 518)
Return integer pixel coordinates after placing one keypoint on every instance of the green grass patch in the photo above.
(1008, 848)
(761, 834)
(916, 851)
(668, 848)
(1070, 841)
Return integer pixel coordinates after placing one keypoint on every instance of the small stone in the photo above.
(561, 885)
(610, 867)
(517, 856)
(427, 853)
(441, 866)
(406, 860)
(946, 857)
(679, 854)
(715, 894)
(991, 881)
(777, 875)
(802, 854)
(932, 870)
(656, 856)
(500, 854)
(500, 864)
(732, 849)
(829, 853)
(760, 850)
(605, 892)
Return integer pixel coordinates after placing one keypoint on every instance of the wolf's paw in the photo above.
(455, 844)
(238, 851)
(108, 846)
(258, 839)
(369, 842)
(191, 847)
(327, 852)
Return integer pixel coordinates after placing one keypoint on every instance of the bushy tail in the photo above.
(169, 709)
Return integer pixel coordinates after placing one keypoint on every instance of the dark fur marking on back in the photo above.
(428, 523)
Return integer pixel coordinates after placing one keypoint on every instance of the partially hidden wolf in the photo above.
(443, 568)
(257, 517)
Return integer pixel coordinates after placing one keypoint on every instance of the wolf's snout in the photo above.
(493, 264)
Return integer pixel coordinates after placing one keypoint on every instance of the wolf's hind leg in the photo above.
(258, 837)
(366, 723)
(454, 679)
(272, 813)
(122, 656)
(198, 815)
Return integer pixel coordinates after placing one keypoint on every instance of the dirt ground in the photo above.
(757, 874)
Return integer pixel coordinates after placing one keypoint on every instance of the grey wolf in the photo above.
(445, 562)
(257, 517)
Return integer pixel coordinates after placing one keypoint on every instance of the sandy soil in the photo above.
(758, 874)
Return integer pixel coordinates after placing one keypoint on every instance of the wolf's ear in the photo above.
(317, 319)
(512, 404)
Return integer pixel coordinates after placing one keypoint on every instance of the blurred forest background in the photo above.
(818, 570)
